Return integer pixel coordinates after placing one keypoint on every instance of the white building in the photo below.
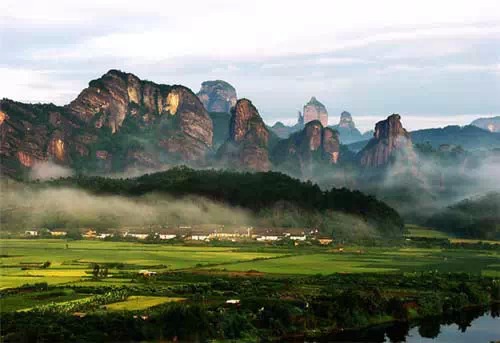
(137, 235)
(298, 238)
(200, 237)
(167, 236)
(268, 238)
(31, 233)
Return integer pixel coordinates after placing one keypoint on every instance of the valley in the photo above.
(148, 280)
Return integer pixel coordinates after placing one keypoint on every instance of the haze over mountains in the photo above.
(122, 125)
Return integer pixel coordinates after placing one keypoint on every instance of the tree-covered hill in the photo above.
(255, 191)
(472, 218)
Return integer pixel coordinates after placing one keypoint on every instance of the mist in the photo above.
(49, 170)
(24, 207)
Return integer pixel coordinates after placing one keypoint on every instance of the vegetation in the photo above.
(254, 191)
(277, 290)
(471, 218)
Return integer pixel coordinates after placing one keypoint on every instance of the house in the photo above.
(104, 235)
(269, 238)
(298, 238)
(32, 233)
(58, 233)
(233, 301)
(325, 240)
(136, 235)
(200, 237)
(90, 233)
(147, 273)
(166, 236)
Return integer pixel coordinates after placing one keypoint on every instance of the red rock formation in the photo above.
(346, 121)
(247, 146)
(315, 110)
(389, 139)
(172, 117)
(217, 96)
(303, 150)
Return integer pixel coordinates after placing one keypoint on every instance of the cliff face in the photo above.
(247, 146)
(217, 96)
(347, 129)
(346, 121)
(489, 124)
(389, 139)
(314, 145)
(315, 110)
(118, 121)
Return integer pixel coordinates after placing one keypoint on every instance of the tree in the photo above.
(95, 271)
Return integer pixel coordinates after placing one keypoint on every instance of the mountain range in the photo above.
(120, 122)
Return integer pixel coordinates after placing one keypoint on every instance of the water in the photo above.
(470, 326)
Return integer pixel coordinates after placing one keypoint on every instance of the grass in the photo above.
(423, 232)
(377, 260)
(134, 303)
(28, 300)
(72, 263)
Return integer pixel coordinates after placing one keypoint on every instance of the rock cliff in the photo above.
(347, 129)
(217, 96)
(118, 121)
(489, 124)
(389, 141)
(314, 145)
(346, 121)
(315, 110)
(247, 146)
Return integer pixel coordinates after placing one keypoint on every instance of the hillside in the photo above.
(471, 218)
(264, 193)
(468, 137)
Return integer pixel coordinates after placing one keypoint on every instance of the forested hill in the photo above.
(471, 218)
(255, 191)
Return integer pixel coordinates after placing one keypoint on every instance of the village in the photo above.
(197, 233)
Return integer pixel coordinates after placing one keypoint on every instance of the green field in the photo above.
(72, 265)
(134, 303)
(374, 260)
(423, 232)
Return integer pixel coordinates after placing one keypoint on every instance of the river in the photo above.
(474, 326)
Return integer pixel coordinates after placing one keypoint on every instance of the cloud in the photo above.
(347, 54)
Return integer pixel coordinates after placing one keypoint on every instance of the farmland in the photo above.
(71, 263)
(92, 280)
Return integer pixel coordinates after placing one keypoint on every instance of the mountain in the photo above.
(490, 124)
(284, 131)
(315, 110)
(299, 153)
(347, 129)
(217, 96)
(469, 137)
(118, 122)
(248, 142)
(273, 199)
(477, 217)
(220, 121)
(389, 140)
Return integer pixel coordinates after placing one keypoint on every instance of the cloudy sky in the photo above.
(434, 62)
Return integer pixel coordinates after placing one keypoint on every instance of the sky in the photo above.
(435, 62)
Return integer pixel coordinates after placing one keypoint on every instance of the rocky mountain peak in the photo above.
(246, 121)
(490, 124)
(165, 123)
(389, 139)
(247, 146)
(315, 110)
(217, 96)
(307, 149)
(346, 121)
